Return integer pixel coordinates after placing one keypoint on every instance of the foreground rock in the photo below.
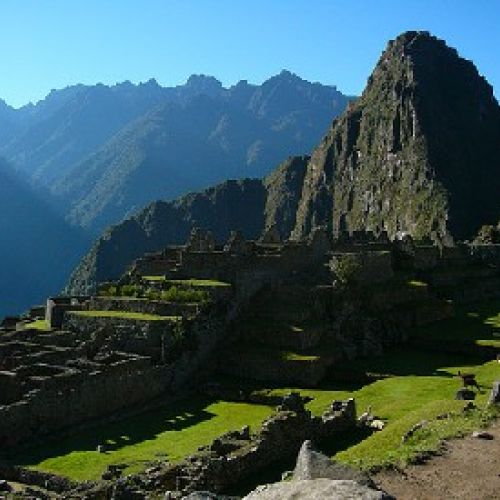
(317, 477)
(317, 489)
(311, 464)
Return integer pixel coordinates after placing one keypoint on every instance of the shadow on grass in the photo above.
(116, 435)
(470, 323)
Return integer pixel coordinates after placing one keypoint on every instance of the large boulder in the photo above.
(311, 464)
(317, 489)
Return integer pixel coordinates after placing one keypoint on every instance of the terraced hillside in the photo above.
(404, 387)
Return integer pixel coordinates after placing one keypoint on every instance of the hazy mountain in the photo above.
(37, 248)
(94, 154)
(418, 152)
(70, 124)
(105, 152)
(182, 146)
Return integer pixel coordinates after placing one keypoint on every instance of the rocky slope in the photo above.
(37, 248)
(418, 152)
(249, 205)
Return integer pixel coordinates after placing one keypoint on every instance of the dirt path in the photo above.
(468, 469)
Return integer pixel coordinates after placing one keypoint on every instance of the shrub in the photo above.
(131, 291)
(174, 294)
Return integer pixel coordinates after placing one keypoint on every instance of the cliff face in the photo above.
(248, 205)
(418, 152)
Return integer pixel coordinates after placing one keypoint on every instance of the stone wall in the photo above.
(145, 306)
(238, 456)
(70, 396)
(148, 338)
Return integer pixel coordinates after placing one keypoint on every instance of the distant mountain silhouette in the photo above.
(105, 152)
(37, 247)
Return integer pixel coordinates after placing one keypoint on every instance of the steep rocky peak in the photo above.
(413, 153)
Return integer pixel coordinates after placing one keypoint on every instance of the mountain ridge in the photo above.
(382, 165)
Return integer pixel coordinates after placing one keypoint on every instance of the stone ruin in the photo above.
(84, 367)
(228, 461)
(200, 241)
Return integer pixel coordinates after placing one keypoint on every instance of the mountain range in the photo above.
(101, 153)
(419, 152)
(86, 157)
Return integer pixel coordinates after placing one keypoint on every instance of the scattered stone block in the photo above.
(316, 489)
(377, 424)
(5, 487)
(419, 425)
(292, 402)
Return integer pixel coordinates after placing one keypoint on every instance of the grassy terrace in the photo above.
(478, 324)
(171, 432)
(125, 315)
(39, 324)
(198, 283)
(412, 385)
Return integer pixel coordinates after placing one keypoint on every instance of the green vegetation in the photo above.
(416, 283)
(175, 294)
(409, 385)
(171, 432)
(412, 385)
(199, 283)
(126, 315)
(154, 278)
(171, 294)
(38, 324)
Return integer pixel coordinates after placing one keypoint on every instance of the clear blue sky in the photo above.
(47, 44)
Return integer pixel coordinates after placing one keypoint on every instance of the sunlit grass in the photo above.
(168, 433)
(125, 315)
(38, 324)
(199, 283)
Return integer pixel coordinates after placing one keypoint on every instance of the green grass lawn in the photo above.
(39, 324)
(154, 278)
(125, 315)
(168, 433)
(410, 385)
(199, 283)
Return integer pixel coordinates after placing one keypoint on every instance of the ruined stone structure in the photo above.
(94, 360)
(229, 460)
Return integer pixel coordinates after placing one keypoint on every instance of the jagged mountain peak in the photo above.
(418, 152)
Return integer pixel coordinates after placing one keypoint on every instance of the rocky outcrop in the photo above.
(249, 206)
(317, 477)
(312, 464)
(418, 152)
(316, 489)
